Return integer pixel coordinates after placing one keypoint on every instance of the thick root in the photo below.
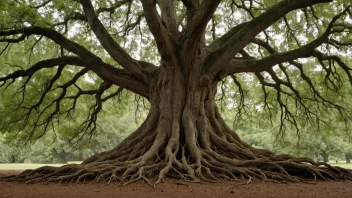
(212, 168)
(203, 149)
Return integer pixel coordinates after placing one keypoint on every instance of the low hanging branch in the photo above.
(105, 71)
(46, 113)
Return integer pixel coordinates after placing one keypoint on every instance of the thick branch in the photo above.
(190, 4)
(168, 16)
(191, 7)
(217, 60)
(161, 33)
(116, 76)
(266, 63)
(227, 36)
(196, 26)
(104, 70)
(122, 78)
(109, 44)
(201, 18)
(67, 60)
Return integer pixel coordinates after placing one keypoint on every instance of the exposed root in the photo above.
(204, 150)
(211, 170)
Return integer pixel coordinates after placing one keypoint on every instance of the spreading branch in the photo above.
(266, 63)
(40, 114)
(168, 16)
(218, 59)
(109, 44)
(197, 24)
(94, 63)
(191, 6)
(252, 65)
(162, 35)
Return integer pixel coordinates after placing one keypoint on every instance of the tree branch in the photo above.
(109, 44)
(251, 65)
(190, 4)
(109, 73)
(168, 16)
(67, 60)
(191, 7)
(227, 36)
(40, 114)
(91, 61)
(219, 58)
(197, 24)
(161, 33)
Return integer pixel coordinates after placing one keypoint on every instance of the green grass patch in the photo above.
(25, 166)
(342, 165)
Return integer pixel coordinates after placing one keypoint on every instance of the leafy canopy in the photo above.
(297, 69)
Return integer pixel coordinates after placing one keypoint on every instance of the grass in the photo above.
(22, 166)
(341, 164)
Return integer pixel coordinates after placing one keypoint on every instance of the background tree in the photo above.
(62, 59)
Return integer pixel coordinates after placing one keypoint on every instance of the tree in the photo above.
(193, 48)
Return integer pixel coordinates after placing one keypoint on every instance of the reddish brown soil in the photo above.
(175, 188)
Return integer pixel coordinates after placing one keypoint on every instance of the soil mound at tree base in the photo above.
(175, 188)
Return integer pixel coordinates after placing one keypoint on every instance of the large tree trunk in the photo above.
(184, 133)
(185, 137)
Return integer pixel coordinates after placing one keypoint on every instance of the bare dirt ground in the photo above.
(174, 188)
